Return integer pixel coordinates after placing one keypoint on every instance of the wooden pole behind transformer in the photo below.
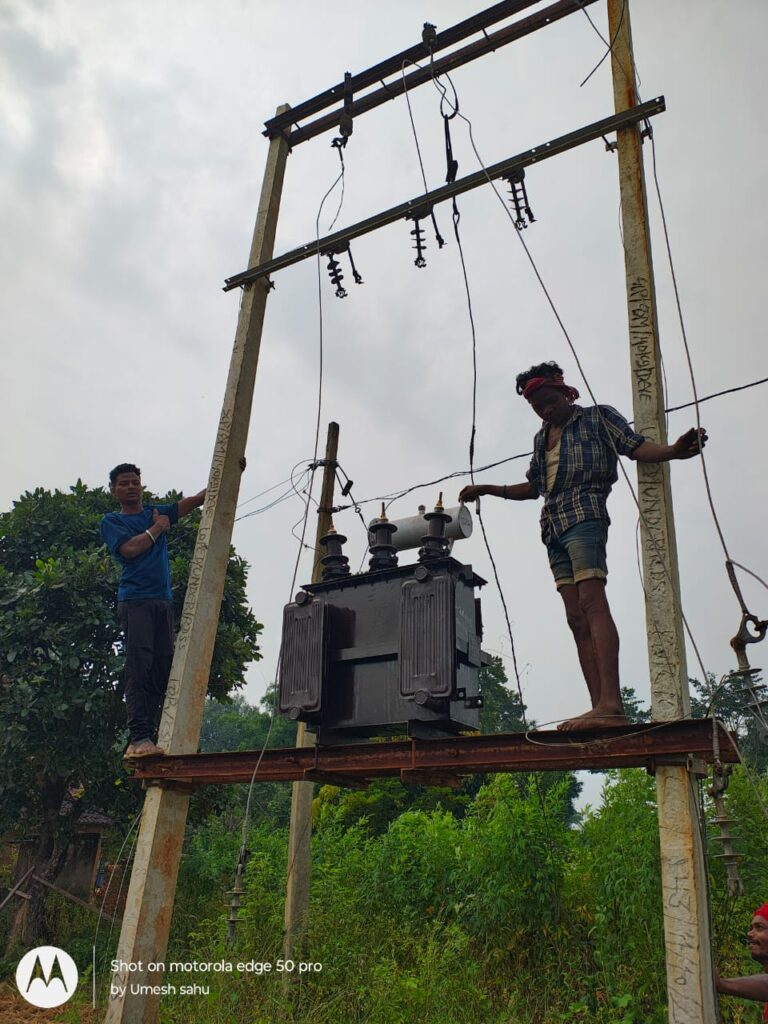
(300, 835)
(149, 904)
(690, 987)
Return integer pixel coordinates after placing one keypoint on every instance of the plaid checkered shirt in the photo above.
(586, 472)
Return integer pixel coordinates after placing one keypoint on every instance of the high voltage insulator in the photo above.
(335, 272)
(519, 197)
(730, 858)
(336, 276)
(417, 234)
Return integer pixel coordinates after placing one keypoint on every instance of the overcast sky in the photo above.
(131, 158)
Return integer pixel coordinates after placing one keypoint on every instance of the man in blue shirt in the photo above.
(137, 538)
(575, 455)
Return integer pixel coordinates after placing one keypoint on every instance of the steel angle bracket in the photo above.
(596, 130)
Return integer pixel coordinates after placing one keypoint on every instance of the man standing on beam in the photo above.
(574, 467)
(137, 538)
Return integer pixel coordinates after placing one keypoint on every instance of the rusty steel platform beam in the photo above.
(631, 746)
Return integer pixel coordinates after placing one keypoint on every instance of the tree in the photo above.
(502, 710)
(62, 723)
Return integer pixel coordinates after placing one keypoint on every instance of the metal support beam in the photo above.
(690, 987)
(631, 746)
(149, 904)
(393, 65)
(300, 834)
(406, 82)
(422, 205)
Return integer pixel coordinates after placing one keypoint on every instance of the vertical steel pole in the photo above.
(690, 989)
(297, 881)
(149, 904)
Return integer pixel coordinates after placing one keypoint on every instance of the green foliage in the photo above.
(633, 706)
(502, 710)
(61, 654)
(728, 700)
(383, 800)
(616, 888)
(509, 914)
(234, 724)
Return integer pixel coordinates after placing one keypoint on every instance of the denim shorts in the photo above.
(579, 553)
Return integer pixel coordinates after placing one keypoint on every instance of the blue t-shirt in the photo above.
(148, 575)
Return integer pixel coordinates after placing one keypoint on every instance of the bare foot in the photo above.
(597, 718)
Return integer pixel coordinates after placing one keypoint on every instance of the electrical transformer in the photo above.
(394, 650)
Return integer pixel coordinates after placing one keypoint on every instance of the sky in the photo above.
(131, 158)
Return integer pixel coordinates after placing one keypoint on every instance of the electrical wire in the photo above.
(473, 432)
(587, 384)
(393, 496)
(289, 493)
(305, 517)
(689, 361)
(750, 573)
(610, 45)
(265, 491)
(127, 838)
(684, 334)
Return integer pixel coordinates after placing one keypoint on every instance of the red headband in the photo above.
(550, 382)
(762, 911)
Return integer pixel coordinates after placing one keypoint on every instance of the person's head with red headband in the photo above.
(757, 935)
(751, 986)
(547, 393)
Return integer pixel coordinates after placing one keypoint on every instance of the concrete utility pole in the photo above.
(297, 881)
(149, 904)
(690, 987)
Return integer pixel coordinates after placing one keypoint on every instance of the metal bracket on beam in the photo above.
(625, 119)
(424, 777)
(334, 779)
(179, 787)
(697, 766)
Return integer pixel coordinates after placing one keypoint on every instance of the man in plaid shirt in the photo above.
(574, 467)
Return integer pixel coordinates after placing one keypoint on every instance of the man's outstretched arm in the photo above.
(686, 446)
(755, 986)
(512, 492)
(194, 501)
